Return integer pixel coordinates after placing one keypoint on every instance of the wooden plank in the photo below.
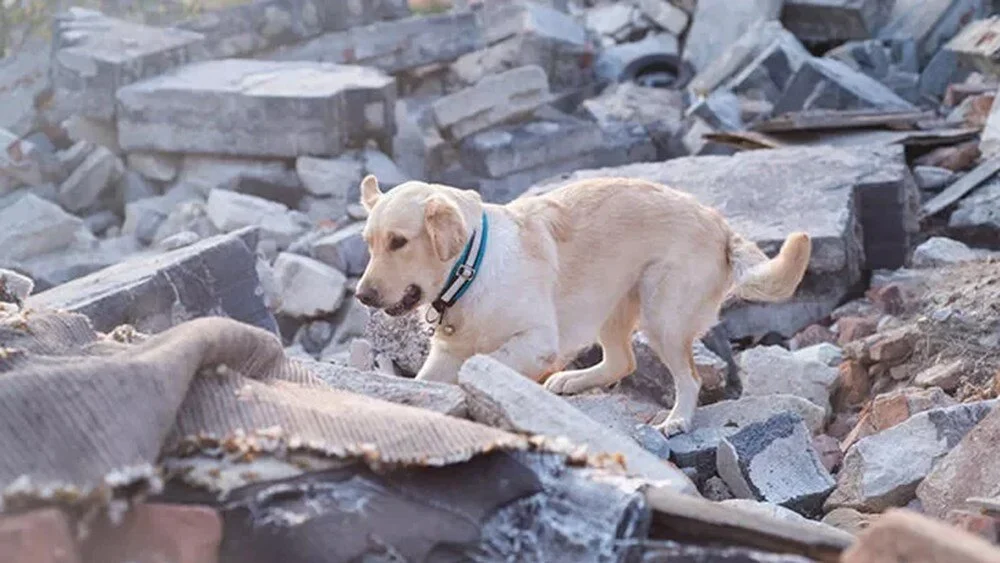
(846, 119)
(964, 185)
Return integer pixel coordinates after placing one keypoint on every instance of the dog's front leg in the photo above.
(531, 352)
(442, 365)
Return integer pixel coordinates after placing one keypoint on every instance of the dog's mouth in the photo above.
(411, 298)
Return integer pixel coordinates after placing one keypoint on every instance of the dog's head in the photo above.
(415, 232)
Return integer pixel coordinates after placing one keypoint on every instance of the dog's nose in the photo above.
(368, 296)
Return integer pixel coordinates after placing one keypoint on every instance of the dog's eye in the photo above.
(396, 242)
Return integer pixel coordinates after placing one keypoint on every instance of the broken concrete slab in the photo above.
(697, 449)
(718, 23)
(619, 413)
(774, 461)
(33, 226)
(438, 397)
(747, 410)
(309, 288)
(665, 15)
(49, 270)
(92, 180)
(930, 23)
(659, 111)
(521, 33)
(872, 477)
(154, 166)
(780, 191)
(940, 251)
(272, 109)
(502, 151)
(978, 214)
(830, 84)
(773, 370)
(94, 55)
(491, 101)
(396, 45)
(333, 179)
(501, 397)
(240, 29)
(14, 287)
(735, 58)
(153, 292)
(230, 211)
(840, 20)
(768, 74)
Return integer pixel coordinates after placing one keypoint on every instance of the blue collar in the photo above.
(464, 270)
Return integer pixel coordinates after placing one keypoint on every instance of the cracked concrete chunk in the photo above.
(155, 291)
(491, 101)
(243, 107)
(308, 288)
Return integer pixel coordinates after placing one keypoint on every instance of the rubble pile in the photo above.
(158, 174)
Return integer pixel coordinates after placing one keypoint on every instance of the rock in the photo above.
(854, 385)
(493, 100)
(658, 110)
(816, 20)
(890, 409)
(309, 288)
(947, 376)
(437, 397)
(772, 370)
(610, 19)
(313, 108)
(95, 55)
(665, 15)
(893, 346)
(903, 535)
(973, 112)
(33, 226)
(388, 173)
(39, 536)
(852, 328)
(651, 440)
(715, 489)
(100, 221)
(868, 176)
(184, 533)
(812, 335)
(155, 166)
(91, 180)
(60, 267)
(394, 46)
(144, 217)
(697, 449)
(502, 151)
(179, 240)
(334, 179)
(155, 292)
(825, 353)
(14, 287)
(747, 410)
(344, 250)
(775, 462)
(829, 452)
(230, 211)
(618, 412)
(402, 339)
(979, 212)
(940, 251)
(774, 512)
(976, 45)
(829, 84)
(872, 477)
(205, 173)
(933, 178)
(930, 24)
(735, 58)
(350, 322)
(521, 33)
(501, 397)
(847, 519)
(717, 24)
(186, 217)
(613, 61)
(969, 470)
(25, 161)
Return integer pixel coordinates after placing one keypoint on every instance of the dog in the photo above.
(535, 281)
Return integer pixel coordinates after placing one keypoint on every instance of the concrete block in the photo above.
(830, 84)
(719, 23)
(493, 100)
(839, 20)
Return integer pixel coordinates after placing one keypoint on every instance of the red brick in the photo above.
(855, 328)
(903, 535)
(155, 533)
(40, 536)
(889, 410)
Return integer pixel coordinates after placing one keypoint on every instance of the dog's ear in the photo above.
(370, 191)
(445, 227)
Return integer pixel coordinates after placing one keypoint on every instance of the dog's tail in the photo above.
(759, 278)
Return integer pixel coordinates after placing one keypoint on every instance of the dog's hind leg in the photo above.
(616, 344)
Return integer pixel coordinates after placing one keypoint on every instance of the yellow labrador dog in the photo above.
(535, 281)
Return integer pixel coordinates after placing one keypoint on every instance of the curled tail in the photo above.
(759, 278)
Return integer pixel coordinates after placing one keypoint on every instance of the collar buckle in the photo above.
(465, 271)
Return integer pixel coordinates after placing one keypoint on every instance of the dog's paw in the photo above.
(566, 383)
(673, 426)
